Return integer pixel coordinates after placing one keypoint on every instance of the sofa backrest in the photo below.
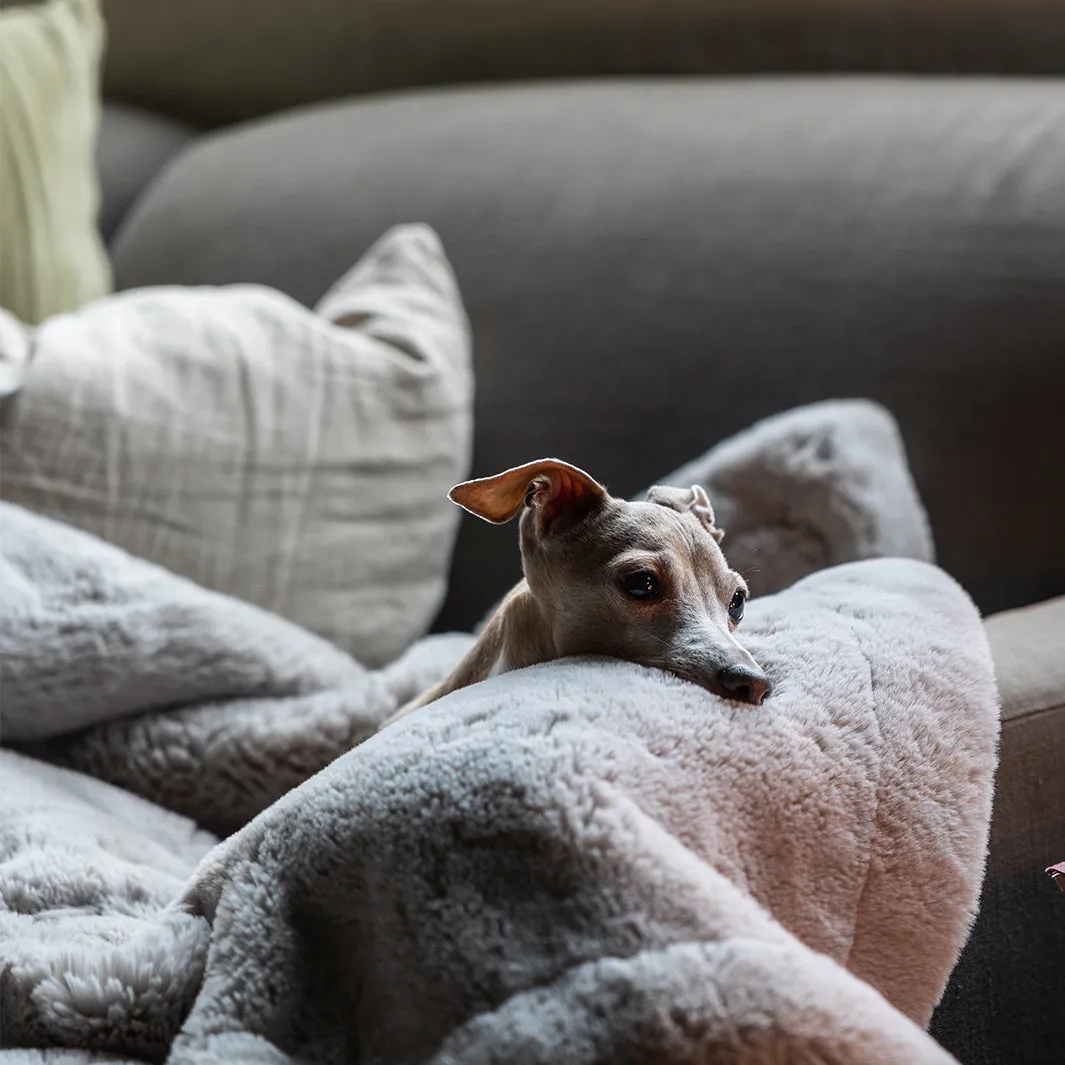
(216, 61)
(648, 267)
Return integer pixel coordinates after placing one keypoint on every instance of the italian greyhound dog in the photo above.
(645, 581)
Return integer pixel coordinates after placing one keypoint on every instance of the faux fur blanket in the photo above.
(583, 862)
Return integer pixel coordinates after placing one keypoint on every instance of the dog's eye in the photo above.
(735, 607)
(642, 585)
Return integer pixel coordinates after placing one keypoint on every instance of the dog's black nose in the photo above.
(745, 684)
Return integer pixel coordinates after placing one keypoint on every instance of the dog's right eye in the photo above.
(642, 585)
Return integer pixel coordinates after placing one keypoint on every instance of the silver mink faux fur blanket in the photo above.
(585, 862)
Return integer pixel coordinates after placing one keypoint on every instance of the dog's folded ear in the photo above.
(562, 494)
(692, 499)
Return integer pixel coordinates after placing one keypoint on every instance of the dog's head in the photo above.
(642, 581)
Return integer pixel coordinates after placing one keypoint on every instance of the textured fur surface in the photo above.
(586, 861)
(816, 486)
(547, 859)
(203, 704)
(89, 957)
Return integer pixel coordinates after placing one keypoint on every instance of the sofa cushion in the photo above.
(651, 267)
(53, 259)
(215, 61)
(299, 460)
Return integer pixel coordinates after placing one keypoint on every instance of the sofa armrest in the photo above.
(1029, 650)
(1028, 826)
(1004, 999)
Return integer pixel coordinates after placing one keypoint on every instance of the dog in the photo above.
(644, 581)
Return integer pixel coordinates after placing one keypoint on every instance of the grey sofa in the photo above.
(650, 264)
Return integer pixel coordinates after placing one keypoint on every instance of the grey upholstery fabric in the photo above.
(132, 147)
(650, 267)
(220, 60)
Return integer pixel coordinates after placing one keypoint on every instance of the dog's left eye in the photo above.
(642, 585)
(735, 607)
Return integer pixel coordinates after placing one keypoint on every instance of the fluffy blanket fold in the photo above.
(204, 704)
(582, 862)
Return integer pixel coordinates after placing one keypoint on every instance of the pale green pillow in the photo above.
(51, 256)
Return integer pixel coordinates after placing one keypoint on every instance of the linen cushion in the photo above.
(297, 459)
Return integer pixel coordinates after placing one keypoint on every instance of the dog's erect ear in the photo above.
(561, 493)
(694, 499)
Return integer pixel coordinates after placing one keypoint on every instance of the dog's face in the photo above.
(644, 581)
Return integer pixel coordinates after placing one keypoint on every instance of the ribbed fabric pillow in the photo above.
(52, 258)
(298, 459)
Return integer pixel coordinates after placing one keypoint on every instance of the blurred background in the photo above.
(668, 218)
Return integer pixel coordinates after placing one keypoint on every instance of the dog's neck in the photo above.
(525, 633)
(516, 635)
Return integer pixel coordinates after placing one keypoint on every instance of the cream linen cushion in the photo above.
(52, 257)
(298, 459)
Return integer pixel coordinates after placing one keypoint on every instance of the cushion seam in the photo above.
(1037, 711)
